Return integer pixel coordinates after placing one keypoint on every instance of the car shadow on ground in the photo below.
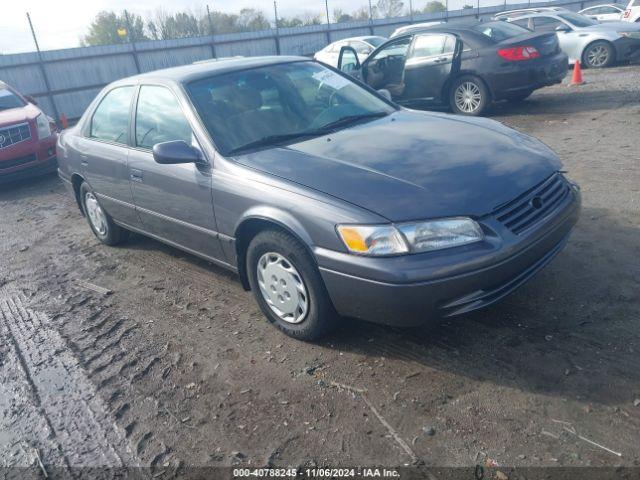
(572, 100)
(572, 331)
(30, 187)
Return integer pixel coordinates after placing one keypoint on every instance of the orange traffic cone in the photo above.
(576, 79)
(64, 121)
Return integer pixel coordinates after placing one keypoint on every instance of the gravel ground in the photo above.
(175, 366)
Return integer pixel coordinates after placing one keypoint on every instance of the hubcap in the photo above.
(598, 56)
(282, 288)
(95, 213)
(468, 97)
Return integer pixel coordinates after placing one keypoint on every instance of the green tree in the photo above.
(104, 29)
(434, 6)
(389, 8)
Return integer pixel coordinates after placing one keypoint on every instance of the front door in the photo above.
(174, 201)
(430, 62)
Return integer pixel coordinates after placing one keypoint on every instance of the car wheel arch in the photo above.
(446, 89)
(249, 226)
(583, 61)
(76, 182)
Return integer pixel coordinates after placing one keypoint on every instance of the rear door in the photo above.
(431, 61)
(174, 201)
(103, 152)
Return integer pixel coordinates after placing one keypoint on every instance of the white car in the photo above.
(609, 12)
(362, 45)
(632, 13)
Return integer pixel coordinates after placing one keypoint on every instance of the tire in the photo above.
(101, 223)
(469, 85)
(600, 54)
(519, 97)
(269, 254)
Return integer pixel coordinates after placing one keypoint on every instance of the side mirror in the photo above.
(30, 99)
(175, 152)
(385, 93)
(562, 28)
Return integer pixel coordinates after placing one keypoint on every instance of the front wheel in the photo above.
(469, 96)
(287, 286)
(599, 55)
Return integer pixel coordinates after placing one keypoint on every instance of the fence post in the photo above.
(370, 18)
(326, 6)
(478, 10)
(275, 14)
(132, 41)
(446, 10)
(213, 42)
(411, 11)
(43, 71)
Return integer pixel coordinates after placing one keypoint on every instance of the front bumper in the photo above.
(428, 293)
(29, 158)
(33, 169)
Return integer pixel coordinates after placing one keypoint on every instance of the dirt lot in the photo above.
(177, 367)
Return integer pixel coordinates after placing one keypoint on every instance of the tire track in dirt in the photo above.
(76, 417)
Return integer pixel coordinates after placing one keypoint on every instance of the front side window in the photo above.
(9, 100)
(159, 118)
(265, 106)
(110, 121)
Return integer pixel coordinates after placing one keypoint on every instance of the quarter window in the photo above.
(159, 118)
(110, 121)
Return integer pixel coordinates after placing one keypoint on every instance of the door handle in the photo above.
(135, 175)
(441, 59)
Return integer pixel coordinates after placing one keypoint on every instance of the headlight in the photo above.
(44, 129)
(372, 239)
(415, 237)
(630, 34)
(439, 234)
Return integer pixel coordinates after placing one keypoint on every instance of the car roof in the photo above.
(364, 38)
(204, 69)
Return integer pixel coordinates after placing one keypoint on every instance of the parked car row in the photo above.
(466, 67)
(323, 195)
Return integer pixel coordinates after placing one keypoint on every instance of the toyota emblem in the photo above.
(536, 202)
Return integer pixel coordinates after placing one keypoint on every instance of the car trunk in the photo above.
(545, 43)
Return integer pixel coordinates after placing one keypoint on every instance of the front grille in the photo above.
(534, 205)
(14, 162)
(14, 134)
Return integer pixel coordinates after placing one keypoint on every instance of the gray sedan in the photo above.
(595, 44)
(325, 197)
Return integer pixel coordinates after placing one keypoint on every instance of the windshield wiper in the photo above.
(349, 119)
(270, 140)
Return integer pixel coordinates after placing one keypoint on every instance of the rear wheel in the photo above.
(600, 54)
(99, 220)
(469, 96)
(288, 287)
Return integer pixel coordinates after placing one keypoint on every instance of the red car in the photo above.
(27, 137)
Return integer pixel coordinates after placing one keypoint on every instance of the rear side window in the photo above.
(428, 46)
(110, 121)
(159, 118)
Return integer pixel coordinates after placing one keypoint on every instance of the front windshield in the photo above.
(270, 104)
(577, 20)
(9, 100)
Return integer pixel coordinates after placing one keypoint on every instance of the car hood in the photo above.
(415, 165)
(18, 115)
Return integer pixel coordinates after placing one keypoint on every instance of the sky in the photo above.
(61, 23)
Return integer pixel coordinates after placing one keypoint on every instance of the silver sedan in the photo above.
(595, 44)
